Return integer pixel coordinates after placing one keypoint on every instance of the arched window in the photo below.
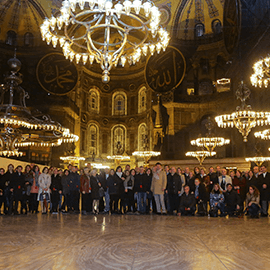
(199, 30)
(142, 100)
(29, 39)
(93, 101)
(143, 140)
(216, 27)
(119, 103)
(11, 38)
(118, 140)
(92, 140)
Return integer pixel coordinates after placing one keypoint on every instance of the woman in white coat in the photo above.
(44, 181)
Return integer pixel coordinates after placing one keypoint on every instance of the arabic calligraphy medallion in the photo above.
(57, 75)
(165, 71)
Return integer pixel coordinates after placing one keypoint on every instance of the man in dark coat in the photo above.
(201, 197)
(232, 201)
(17, 181)
(74, 183)
(264, 188)
(213, 178)
(187, 205)
(2, 188)
(173, 189)
(56, 189)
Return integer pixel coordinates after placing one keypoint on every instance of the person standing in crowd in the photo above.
(56, 189)
(140, 190)
(218, 171)
(187, 206)
(232, 174)
(159, 183)
(120, 175)
(34, 190)
(201, 197)
(2, 188)
(264, 188)
(114, 191)
(213, 177)
(85, 189)
(149, 194)
(253, 202)
(166, 197)
(66, 192)
(251, 181)
(197, 172)
(129, 191)
(216, 201)
(44, 182)
(239, 183)
(232, 201)
(224, 179)
(173, 189)
(96, 191)
(74, 184)
(205, 179)
(26, 196)
(107, 195)
(8, 194)
(186, 175)
(17, 182)
(191, 182)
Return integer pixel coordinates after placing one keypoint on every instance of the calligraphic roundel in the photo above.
(57, 75)
(165, 71)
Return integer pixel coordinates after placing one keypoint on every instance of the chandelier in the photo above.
(264, 135)
(72, 158)
(258, 160)
(146, 155)
(106, 31)
(209, 142)
(200, 155)
(18, 126)
(118, 158)
(261, 75)
(244, 119)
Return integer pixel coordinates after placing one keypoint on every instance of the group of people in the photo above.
(160, 190)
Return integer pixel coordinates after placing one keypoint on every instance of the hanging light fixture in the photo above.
(146, 155)
(261, 75)
(209, 142)
(244, 119)
(258, 160)
(200, 155)
(18, 127)
(118, 158)
(106, 31)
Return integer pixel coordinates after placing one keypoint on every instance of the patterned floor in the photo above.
(133, 242)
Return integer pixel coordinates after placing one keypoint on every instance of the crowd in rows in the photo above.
(159, 190)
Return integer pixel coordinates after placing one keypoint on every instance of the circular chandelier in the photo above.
(258, 160)
(18, 126)
(72, 158)
(264, 135)
(209, 142)
(244, 119)
(106, 31)
(200, 155)
(146, 155)
(261, 75)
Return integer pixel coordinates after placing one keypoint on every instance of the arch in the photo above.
(118, 139)
(199, 30)
(143, 139)
(216, 26)
(94, 100)
(11, 38)
(142, 98)
(93, 140)
(29, 39)
(119, 103)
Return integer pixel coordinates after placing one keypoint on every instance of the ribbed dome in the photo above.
(206, 15)
(20, 21)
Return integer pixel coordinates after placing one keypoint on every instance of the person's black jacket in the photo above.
(94, 183)
(102, 180)
(114, 184)
(174, 183)
(2, 183)
(213, 180)
(187, 201)
(17, 182)
(254, 181)
(232, 198)
(74, 181)
(203, 194)
(140, 183)
(148, 180)
(191, 184)
(264, 192)
(56, 183)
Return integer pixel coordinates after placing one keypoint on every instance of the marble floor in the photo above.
(133, 242)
